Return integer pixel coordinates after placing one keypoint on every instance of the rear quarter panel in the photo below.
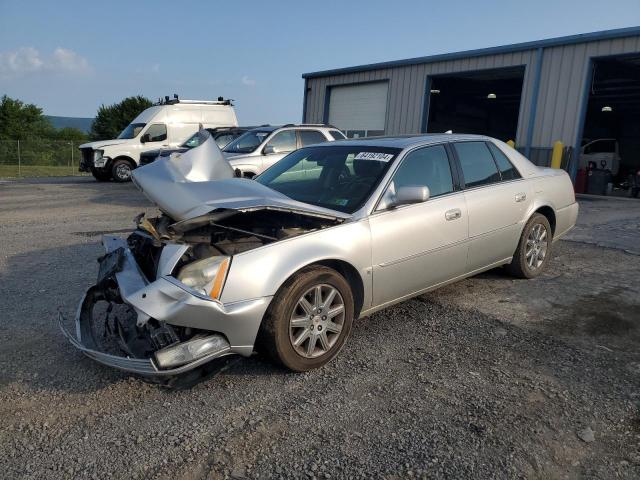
(553, 188)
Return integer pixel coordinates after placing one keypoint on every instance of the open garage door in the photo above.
(359, 110)
(485, 102)
(611, 133)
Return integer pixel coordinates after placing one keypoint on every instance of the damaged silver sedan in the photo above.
(331, 233)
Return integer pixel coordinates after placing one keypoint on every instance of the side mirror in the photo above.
(268, 150)
(410, 194)
(145, 138)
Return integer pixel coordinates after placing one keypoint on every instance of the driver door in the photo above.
(282, 143)
(420, 245)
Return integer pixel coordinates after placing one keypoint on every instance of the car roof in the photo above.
(407, 141)
(302, 126)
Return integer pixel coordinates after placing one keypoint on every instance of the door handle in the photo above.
(521, 197)
(453, 214)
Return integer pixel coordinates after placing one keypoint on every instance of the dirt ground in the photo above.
(487, 378)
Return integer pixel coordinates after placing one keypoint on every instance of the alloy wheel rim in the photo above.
(537, 244)
(123, 171)
(317, 321)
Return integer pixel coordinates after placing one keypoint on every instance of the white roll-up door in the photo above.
(360, 108)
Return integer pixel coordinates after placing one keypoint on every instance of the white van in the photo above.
(164, 125)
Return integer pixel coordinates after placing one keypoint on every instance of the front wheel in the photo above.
(101, 176)
(309, 320)
(121, 170)
(534, 248)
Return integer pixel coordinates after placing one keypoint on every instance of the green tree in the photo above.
(71, 134)
(20, 121)
(112, 119)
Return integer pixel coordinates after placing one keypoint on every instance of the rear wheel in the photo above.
(121, 170)
(534, 248)
(309, 320)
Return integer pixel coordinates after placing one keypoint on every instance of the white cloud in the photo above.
(28, 60)
(249, 82)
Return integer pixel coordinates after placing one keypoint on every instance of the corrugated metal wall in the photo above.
(560, 97)
(565, 76)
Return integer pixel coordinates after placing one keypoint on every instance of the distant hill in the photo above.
(83, 124)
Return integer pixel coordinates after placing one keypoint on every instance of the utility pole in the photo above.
(19, 160)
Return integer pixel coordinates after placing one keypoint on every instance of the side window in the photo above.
(283, 142)
(337, 134)
(428, 166)
(507, 170)
(477, 164)
(309, 137)
(601, 146)
(157, 132)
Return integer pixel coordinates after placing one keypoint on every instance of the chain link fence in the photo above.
(35, 157)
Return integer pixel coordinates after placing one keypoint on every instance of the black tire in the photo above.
(521, 266)
(121, 170)
(101, 176)
(276, 337)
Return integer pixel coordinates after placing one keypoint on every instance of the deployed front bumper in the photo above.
(166, 300)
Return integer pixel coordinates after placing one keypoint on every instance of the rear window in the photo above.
(507, 170)
(337, 134)
(478, 167)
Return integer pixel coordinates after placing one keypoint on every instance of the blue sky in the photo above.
(71, 56)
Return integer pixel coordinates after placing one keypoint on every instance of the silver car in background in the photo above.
(258, 149)
(332, 232)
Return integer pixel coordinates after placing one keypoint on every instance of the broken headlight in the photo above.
(206, 276)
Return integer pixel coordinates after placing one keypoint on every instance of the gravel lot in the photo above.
(488, 378)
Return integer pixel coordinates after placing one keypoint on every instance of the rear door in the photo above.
(421, 245)
(497, 199)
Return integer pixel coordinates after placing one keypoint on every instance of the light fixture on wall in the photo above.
(491, 96)
(435, 91)
(607, 108)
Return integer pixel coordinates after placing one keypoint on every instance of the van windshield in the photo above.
(247, 142)
(132, 130)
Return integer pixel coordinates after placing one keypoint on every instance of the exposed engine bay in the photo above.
(222, 232)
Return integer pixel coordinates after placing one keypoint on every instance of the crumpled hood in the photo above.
(103, 143)
(194, 183)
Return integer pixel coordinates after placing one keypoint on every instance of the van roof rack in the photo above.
(172, 101)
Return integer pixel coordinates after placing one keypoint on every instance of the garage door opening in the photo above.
(359, 110)
(611, 133)
(485, 102)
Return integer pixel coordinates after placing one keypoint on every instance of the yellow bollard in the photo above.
(511, 143)
(556, 156)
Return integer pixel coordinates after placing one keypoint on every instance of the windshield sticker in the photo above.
(341, 201)
(377, 156)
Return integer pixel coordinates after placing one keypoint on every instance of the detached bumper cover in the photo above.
(166, 300)
(140, 366)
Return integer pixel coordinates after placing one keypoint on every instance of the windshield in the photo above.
(132, 130)
(247, 142)
(195, 140)
(340, 178)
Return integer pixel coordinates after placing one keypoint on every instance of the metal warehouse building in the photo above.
(572, 89)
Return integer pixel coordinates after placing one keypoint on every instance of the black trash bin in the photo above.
(597, 180)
